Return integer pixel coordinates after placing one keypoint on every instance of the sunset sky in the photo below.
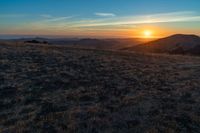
(100, 18)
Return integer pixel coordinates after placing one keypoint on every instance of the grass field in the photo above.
(61, 89)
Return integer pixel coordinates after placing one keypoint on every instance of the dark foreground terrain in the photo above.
(58, 89)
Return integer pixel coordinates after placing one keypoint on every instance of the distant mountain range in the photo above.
(175, 44)
(111, 44)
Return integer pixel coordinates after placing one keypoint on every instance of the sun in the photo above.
(147, 34)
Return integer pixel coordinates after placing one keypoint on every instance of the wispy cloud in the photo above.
(51, 18)
(49, 22)
(184, 16)
(58, 18)
(104, 24)
(101, 14)
(65, 24)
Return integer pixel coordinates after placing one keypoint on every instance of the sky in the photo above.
(99, 18)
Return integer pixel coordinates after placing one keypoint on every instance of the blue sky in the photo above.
(118, 18)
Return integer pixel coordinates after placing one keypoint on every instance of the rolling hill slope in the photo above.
(175, 44)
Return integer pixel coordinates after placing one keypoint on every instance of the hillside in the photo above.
(109, 44)
(88, 43)
(60, 89)
(175, 44)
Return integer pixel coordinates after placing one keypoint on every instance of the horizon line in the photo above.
(23, 36)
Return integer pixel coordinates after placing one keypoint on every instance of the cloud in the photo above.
(58, 18)
(123, 22)
(51, 18)
(101, 14)
(65, 24)
(183, 16)
(49, 22)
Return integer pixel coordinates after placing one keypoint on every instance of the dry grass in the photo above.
(60, 89)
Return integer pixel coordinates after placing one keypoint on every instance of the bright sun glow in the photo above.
(148, 34)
